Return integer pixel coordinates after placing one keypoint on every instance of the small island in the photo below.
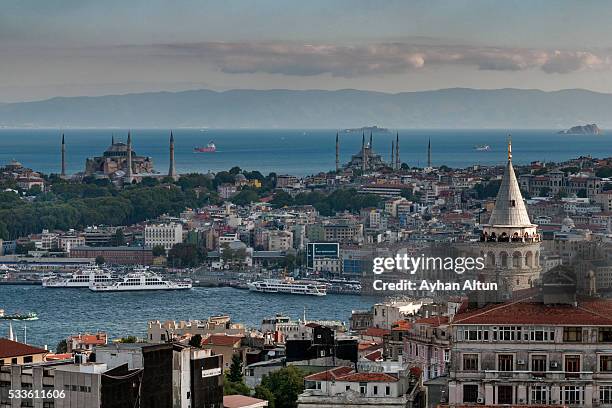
(373, 129)
(591, 129)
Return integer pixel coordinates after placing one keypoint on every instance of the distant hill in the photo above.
(446, 108)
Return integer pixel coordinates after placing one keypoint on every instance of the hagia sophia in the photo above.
(120, 162)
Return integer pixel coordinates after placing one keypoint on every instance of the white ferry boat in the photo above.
(141, 280)
(80, 279)
(289, 286)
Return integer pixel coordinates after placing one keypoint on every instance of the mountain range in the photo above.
(445, 108)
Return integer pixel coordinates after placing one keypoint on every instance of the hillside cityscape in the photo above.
(542, 230)
(305, 204)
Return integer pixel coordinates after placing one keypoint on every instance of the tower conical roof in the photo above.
(510, 208)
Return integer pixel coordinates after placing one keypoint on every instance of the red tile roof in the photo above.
(529, 311)
(221, 340)
(328, 375)
(376, 332)
(401, 325)
(369, 345)
(240, 401)
(434, 321)
(9, 348)
(374, 356)
(368, 377)
(94, 339)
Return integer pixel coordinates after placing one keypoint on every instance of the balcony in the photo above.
(538, 376)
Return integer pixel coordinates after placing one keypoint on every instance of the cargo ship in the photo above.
(210, 148)
(482, 148)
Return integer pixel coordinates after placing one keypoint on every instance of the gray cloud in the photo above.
(374, 59)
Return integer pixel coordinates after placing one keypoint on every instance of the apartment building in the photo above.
(166, 235)
(533, 351)
(427, 345)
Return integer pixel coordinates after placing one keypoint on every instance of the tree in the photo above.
(184, 255)
(232, 388)
(604, 172)
(265, 394)
(100, 260)
(195, 341)
(62, 347)
(158, 250)
(487, 190)
(582, 193)
(128, 339)
(245, 196)
(235, 371)
(4, 233)
(22, 249)
(285, 385)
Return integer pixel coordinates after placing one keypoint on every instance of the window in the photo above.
(572, 365)
(572, 394)
(470, 362)
(572, 334)
(363, 388)
(605, 363)
(14, 360)
(28, 359)
(375, 390)
(387, 390)
(505, 362)
(605, 335)
(470, 393)
(538, 363)
(504, 394)
(540, 394)
(348, 387)
(318, 385)
(605, 394)
(446, 356)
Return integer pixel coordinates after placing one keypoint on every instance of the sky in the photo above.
(84, 47)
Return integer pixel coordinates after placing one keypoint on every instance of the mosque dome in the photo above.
(568, 223)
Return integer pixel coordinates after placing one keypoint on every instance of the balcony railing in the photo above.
(538, 375)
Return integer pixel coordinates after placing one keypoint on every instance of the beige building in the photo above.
(529, 352)
(280, 240)
(166, 235)
(15, 353)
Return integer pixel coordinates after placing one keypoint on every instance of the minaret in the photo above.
(112, 139)
(397, 156)
(172, 169)
(129, 176)
(371, 144)
(63, 174)
(337, 154)
(392, 154)
(363, 154)
(429, 154)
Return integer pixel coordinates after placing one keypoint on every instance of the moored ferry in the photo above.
(289, 286)
(79, 279)
(141, 280)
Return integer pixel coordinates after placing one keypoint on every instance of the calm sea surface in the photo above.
(298, 152)
(69, 311)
